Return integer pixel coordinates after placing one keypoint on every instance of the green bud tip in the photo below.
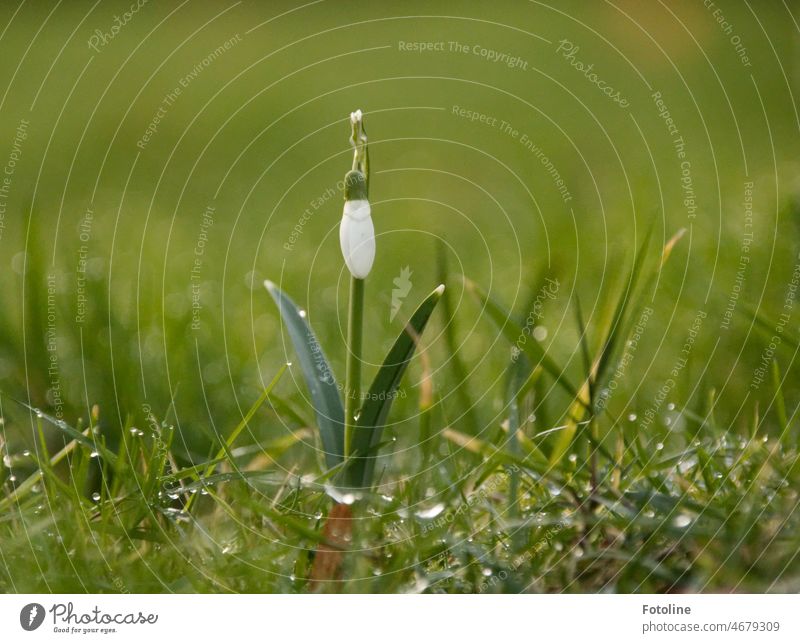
(355, 186)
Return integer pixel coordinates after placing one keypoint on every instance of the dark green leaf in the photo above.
(375, 409)
(318, 375)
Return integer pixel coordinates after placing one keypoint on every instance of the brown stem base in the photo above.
(338, 531)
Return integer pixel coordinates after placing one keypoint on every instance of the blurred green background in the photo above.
(259, 132)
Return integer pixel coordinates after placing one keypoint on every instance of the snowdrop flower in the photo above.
(356, 232)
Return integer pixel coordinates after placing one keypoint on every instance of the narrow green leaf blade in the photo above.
(625, 298)
(318, 376)
(381, 393)
(227, 443)
(512, 331)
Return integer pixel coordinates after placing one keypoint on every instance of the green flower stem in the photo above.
(355, 322)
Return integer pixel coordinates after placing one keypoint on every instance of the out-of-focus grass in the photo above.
(702, 497)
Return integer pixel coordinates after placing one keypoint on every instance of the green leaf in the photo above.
(512, 331)
(318, 375)
(375, 409)
(73, 433)
(227, 444)
(618, 328)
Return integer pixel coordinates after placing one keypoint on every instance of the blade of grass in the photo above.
(449, 331)
(512, 331)
(225, 451)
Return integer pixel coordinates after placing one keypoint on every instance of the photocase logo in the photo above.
(400, 291)
(31, 616)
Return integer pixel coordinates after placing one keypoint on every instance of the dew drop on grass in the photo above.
(302, 313)
(632, 417)
(486, 571)
(96, 497)
(659, 446)
(671, 406)
(682, 520)
(573, 457)
(26, 453)
(345, 497)
(94, 454)
(431, 512)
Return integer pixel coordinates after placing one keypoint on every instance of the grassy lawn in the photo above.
(603, 398)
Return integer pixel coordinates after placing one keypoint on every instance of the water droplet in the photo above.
(26, 453)
(671, 406)
(573, 457)
(632, 417)
(345, 497)
(659, 446)
(577, 552)
(486, 571)
(431, 512)
(94, 454)
(302, 313)
(682, 520)
(96, 496)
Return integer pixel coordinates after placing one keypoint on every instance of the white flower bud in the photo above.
(356, 233)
